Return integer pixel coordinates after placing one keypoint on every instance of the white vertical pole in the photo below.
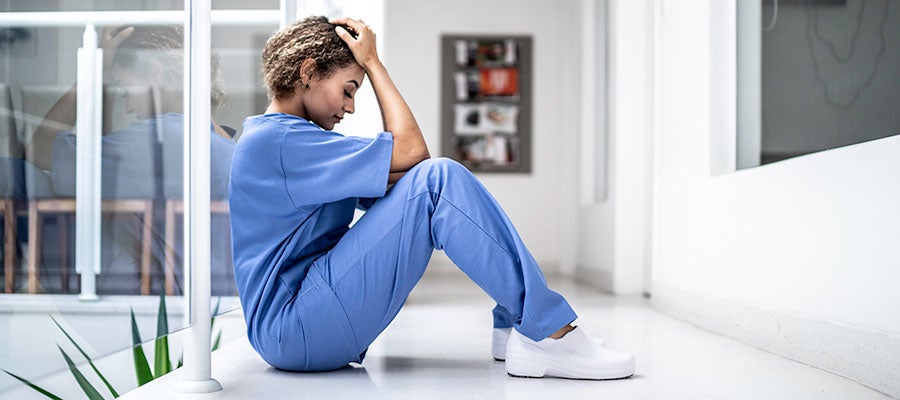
(89, 113)
(197, 376)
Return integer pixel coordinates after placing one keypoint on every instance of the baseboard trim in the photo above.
(868, 357)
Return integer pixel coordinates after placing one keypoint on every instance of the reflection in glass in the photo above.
(142, 185)
(830, 75)
(142, 178)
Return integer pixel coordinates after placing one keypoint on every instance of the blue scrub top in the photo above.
(293, 189)
(144, 160)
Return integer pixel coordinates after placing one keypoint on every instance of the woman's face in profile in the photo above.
(136, 93)
(327, 100)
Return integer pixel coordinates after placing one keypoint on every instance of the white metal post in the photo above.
(88, 117)
(197, 376)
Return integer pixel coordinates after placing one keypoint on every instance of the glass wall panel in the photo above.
(829, 74)
(141, 238)
(141, 180)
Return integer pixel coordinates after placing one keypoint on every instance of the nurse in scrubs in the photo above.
(315, 292)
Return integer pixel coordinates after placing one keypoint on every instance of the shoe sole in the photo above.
(536, 368)
(566, 377)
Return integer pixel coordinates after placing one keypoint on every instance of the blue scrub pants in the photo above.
(353, 292)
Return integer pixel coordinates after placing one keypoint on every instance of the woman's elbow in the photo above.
(420, 153)
(424, 154)
(404, 161)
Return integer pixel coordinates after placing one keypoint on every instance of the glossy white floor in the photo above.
(439, 348)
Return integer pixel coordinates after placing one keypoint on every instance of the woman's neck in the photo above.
(287, 106)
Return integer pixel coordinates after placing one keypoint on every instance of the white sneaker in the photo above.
(500, 336)
(574, 356)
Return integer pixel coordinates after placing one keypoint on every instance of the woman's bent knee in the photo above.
(434, 173)
(441, 165)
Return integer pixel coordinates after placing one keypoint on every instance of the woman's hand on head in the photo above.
(110, 40)
(361, 41)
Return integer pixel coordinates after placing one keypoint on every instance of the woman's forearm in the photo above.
(409, 144)
(61, 117)
(393, 177)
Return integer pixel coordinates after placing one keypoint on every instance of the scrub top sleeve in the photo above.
(324, 167)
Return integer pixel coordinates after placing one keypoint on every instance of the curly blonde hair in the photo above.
(312, 38)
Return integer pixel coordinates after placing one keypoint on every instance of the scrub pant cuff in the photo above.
(503, 318)
(539, 329)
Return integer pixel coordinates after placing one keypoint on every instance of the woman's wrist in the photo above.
(372, 64)
(377, 72)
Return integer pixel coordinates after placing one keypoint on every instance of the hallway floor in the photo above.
(439, 348)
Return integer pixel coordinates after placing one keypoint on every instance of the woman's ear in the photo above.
(307, 72)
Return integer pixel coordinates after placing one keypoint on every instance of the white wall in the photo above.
(774, 255)
(614, 234)
(535, 201)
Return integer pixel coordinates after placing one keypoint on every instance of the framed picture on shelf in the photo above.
(486, 102)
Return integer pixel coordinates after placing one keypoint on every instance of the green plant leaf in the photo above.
(135, 333)
(212, 321)
(33, 386)
(161, 362)
(162, 317)
(215, 345)
(212, 324)
(141, 366)
(90, 362)
(86, 386)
